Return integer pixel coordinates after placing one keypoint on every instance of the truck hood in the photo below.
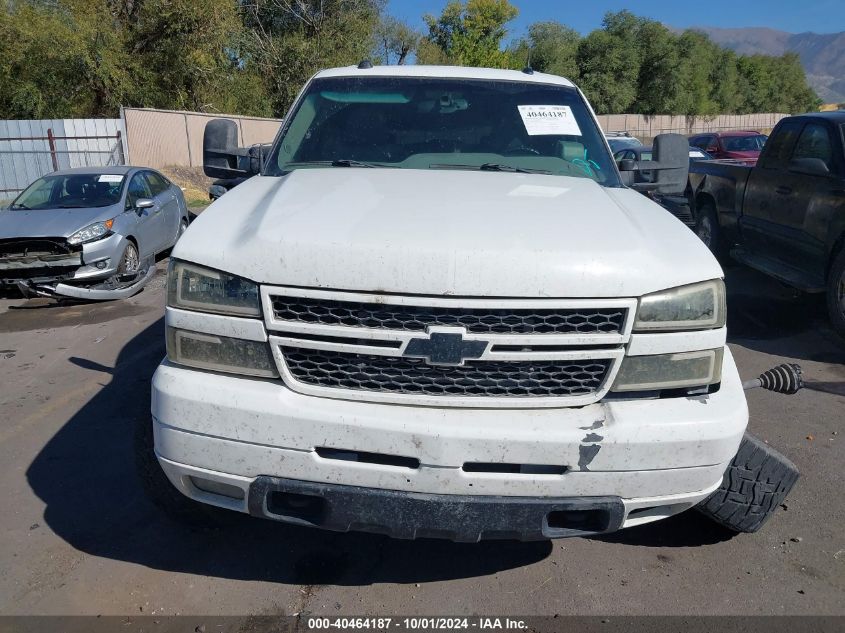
(50, 222)
(437, 232)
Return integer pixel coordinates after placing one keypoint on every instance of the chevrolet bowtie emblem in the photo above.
(445, 348)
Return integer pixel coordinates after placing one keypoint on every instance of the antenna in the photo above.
(528, 70)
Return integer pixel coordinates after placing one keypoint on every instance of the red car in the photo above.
(744, 146)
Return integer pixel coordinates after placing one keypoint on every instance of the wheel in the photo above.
(183, 226)
(708, 230)
(755, 484)
(836, 293)
(163, 494)
(129, 260)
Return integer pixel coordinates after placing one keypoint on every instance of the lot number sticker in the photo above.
(110, 178)
(549, 119)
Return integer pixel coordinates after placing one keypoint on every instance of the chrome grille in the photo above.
(412, 376)
(410, 318)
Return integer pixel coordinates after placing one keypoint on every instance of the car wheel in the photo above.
(708, 230)
(836, 293)
(129, 260)
(183, 226)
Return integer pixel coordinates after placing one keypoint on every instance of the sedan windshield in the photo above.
(71, 191)
(429, 123)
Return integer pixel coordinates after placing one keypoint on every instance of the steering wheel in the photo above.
(522, 150)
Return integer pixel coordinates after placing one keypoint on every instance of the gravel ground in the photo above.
(80, 538)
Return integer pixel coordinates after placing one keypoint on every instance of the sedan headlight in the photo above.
(669, 371)
(220, 353)
(695, 307)
(197, 288)
(95, 231)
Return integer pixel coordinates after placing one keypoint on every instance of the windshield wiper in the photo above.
(491, 167)
(71, 206)
(338, 162)
(20, 206)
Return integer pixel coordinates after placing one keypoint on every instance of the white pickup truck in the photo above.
(437, 312)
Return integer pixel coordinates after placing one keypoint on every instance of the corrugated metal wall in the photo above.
(159, 138)
(23, 159)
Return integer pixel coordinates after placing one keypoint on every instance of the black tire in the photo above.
(164, 495)
(708, 230)
(183, 226)
(755, 484)
(836, 293)
(130, 261)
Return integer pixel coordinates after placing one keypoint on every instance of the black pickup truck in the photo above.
(785, 216)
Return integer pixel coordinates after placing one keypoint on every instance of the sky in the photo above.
(819, 16)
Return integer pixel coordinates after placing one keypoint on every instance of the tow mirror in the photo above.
(670, 166)
(810, 166)
(221, 156)
(627, 164)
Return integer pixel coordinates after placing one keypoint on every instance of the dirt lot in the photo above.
(80, 538)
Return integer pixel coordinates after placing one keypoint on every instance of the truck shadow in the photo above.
(85, 475)
(688, 529)
(766, 316)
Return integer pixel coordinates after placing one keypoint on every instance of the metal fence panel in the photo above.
(30, 149)
(160, 138)
(647, 127)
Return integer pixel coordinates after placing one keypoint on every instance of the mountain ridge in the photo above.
(822, 54)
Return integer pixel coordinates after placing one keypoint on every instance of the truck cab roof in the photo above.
(446, 72)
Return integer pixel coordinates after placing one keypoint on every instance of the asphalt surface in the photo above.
(79, 537)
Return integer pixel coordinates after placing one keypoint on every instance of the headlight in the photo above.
(669, 371)
(694, 307)
(197, 288)
(220, 353)
(96, 231)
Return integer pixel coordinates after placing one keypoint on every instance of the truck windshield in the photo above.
(432, 123)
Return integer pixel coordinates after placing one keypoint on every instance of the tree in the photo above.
(608, 76)
(469, 34)
(89, 57)
(698, 60)
(550, 47)
(290, 40)
(793, 94)
(659, 75)
(395, 41)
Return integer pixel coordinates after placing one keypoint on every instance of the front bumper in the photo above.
(89, 274)
(409, 515)
(656, 457)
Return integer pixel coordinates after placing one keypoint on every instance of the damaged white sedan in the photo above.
(89, 233)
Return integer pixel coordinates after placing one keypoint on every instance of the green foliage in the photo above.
(88, 57)
(550, 47)
(395, 41)
(637, 65)
(79, 58)
(469, 34)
